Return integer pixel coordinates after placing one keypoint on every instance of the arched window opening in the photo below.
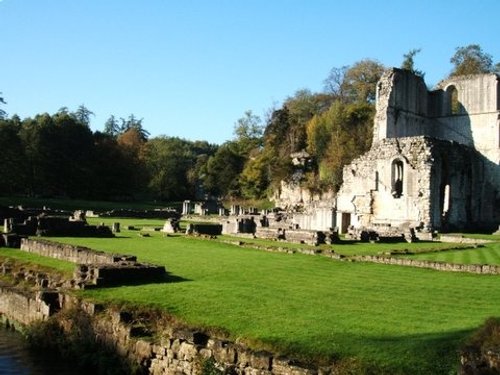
(455, 107)
(397, 178)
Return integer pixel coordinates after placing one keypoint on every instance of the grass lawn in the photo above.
(488, 254)
(403, 320)
(18, 256)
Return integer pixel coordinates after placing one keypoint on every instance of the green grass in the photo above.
(401, 319)
(124, 222)
(347, 248)
(61, 266)
(487, 254)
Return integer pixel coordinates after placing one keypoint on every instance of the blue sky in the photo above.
(191, 68)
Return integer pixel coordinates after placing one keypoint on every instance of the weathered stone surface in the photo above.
(96, 267)
(428, 168)
(171, 226)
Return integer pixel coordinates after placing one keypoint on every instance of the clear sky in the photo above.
(191, 68)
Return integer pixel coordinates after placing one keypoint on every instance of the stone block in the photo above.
(187, 352)
(261, 360)
(224, 352)
(143, 350)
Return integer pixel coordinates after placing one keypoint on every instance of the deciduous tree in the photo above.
(361, 79)
(471, 59)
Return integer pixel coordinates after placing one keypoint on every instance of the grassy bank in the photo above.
(399, 319)
(21, 257)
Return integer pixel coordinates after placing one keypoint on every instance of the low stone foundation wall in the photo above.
(70, 253)
(116, 274)
(144, 341)
(39, 279)
(181, 350)
(291, 235)
(26, 307)
(461, 239)
(205, 229)
(96, 268)
(440, 266)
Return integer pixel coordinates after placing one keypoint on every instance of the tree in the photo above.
(113, 169)
(255, 179)
(39, 141)
(58, 153)
(496, 69)
(63, 110)
(248, 131)
(111, 126)
(409, 63)
(354, 83)
(13, 166)
(168, 160)
(361, 79)
(2, 112)
(82, 114)
(334, 83)
(336, 137)
(471, 60)
(223, 171)
(133, 123)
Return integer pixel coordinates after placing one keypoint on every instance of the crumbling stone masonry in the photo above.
(96, 268)
(434, 162)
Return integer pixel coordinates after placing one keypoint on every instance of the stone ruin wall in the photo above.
(463, 194)
(405, 108)
(96, 268)
(25, 308)
(306, 210)
(435, 172)
(450, 156)
(71, 253)
(367, 188)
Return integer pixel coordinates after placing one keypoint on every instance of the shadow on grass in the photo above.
(166, 278)
(417, 354)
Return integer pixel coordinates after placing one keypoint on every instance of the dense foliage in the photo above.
(59, 156)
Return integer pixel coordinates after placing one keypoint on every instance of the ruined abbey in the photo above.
(434, 161)
(433, 164)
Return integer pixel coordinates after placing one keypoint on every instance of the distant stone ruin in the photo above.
(204, 229)
(18, 224)
(275, 226)
(206, 207)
